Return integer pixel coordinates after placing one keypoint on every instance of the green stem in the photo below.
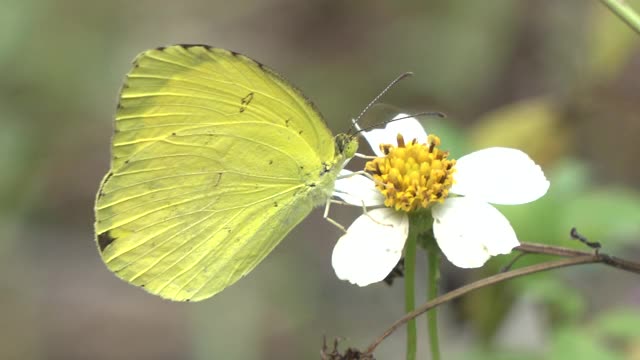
(433, 258)
(624, 12)
(410, 293)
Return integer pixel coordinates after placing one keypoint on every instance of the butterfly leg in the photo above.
(364, 207)
(340, 226)
(361, 172)
(366, 213)
(330, 220)
(363, 156)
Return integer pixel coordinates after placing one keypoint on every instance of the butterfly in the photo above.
(215, 159)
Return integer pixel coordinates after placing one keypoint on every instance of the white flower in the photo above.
(467, 228)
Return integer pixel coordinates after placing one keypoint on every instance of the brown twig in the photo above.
(574, 257)
(613, 261)
(534, 248)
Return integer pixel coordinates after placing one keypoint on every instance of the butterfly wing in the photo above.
(213, 157)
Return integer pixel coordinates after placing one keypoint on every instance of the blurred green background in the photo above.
(560, 80)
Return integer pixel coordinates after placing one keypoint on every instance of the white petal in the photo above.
(370, 250)
(500, 176)
(356, 189)
(410, 129)
(469, 231)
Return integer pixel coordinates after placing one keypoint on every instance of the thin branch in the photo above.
(613, 261)
(624, 12)
(575, 257)
(621, 264)
(550, 250)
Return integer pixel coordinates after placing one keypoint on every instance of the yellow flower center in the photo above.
(412, 175)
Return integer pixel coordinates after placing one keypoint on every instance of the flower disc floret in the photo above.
(412, 175)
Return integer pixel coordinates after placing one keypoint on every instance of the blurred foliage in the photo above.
(611, 46)
(618, 323)
(532, 125)
(575, 342)
(611, 335)
(609, 215)
(557, 79)
(614, 335)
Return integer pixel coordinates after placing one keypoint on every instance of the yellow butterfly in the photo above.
(215, 158)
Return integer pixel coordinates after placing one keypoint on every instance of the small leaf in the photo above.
(576, 343)
(610, 216)
(622, 323)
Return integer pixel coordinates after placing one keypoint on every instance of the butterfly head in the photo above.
(346, 145)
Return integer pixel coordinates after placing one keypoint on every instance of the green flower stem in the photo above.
(433, 277)
(624, 12)
(410, 292)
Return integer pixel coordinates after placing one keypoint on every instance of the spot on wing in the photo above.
(245, 101)
(218, 179)
(104, 240)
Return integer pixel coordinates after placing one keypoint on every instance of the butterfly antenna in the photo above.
(424, 113)
(391, 84)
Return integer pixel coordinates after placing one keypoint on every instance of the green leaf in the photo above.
(569, 177)
(622, 323)
(611, 216)
(576, 343)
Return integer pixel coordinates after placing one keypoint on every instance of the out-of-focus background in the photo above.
(559, 79)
